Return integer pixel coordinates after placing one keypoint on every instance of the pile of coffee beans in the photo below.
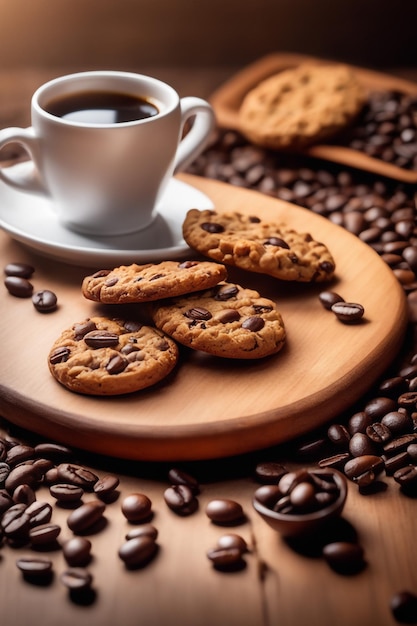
(387, 129)
(300, 492)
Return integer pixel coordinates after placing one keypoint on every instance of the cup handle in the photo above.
(24, 175)
(197, 138)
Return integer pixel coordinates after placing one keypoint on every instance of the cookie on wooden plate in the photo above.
(301, 106)
(258, 246)
(226, 321)
(107, 357)
(144, 283)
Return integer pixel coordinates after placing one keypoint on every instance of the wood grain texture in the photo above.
(226, 101)
(211, 407)
(280, 585)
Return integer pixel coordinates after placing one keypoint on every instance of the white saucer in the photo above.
(31, 219)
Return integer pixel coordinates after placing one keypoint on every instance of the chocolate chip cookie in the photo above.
(226, 321)
(258, 246)
(301, 106)
(101, 356)
(144, 283)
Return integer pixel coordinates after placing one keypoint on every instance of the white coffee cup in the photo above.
(106, 178)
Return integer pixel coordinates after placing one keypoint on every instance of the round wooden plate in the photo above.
(210, 407)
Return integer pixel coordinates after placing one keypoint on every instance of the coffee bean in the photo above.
(44, 301)
(360, 444)
(81, 329)
(39, 513)
(181, 499)
(396, 462)
(24, 270)
(398, 423)
(24, 494)
(106, 486)
(408, 400)
(138, 551)
(224, 511)
(344, 557)
(83, 519)
(378, 407)
(77, 551)
(348, 312)
(364, 470)
(268, 495)
(400, 443)
(226, 558)
(101, 339)
(76, 578)
(4, 472)
(18, 454)
(403, 606)
(144, 530)
(269, 472)
(359, 422)
(21, 475)
(232, 540)
(407, 476)
(339, 435)
(6, 501)
(179, 477)
(44, 534)
(116, 365)
(329, 298)
(65, 492)
(77, 475)
(34, 568)
(336, 461)
(254, 323)
(19, 287)
(378, 432)
(412, 452)
(137, 507)
(52, 451)
(15, 523)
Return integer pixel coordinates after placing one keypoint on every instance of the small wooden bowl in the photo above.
(290, 525)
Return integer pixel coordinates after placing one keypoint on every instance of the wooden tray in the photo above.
(210, 407)
(226, 101)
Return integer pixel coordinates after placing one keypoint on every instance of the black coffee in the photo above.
(101, 107)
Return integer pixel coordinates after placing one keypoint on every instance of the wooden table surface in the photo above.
(279, 585)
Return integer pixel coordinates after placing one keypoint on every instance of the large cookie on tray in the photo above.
(144, 283)
(301, 106)
(101, 356)
(226, 321)
(258, 246)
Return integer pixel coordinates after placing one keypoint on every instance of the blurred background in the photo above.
(40, 39)
(129, 33)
